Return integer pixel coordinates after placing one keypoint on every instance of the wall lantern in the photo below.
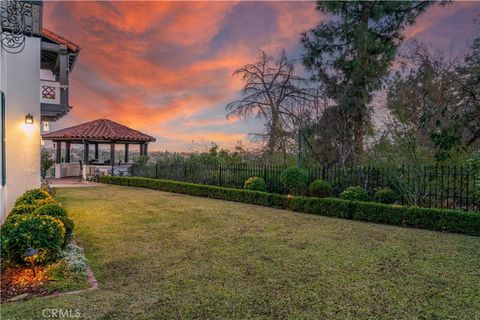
(46, 126)
(29, 119)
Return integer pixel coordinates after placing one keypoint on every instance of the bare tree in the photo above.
(271, 92)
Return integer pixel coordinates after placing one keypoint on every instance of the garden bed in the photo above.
(19, 283)
(38, 255)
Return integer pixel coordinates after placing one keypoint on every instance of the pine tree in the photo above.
(351, 54)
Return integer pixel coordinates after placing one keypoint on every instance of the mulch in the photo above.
(19, 282)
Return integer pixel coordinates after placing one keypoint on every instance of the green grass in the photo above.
(158, 255)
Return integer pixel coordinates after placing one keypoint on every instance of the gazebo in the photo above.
(101, 131)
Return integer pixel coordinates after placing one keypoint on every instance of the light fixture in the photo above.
(46, 126)
(29, 119)
(30, 254)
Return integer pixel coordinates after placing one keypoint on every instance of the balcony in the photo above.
(53, 107)
(49, 92)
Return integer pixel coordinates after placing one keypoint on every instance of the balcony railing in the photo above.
(49, 92)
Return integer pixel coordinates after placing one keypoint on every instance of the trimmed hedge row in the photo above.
(432, 219)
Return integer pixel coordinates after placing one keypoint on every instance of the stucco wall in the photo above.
(20, 81)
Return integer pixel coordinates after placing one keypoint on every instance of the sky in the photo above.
(165, 68)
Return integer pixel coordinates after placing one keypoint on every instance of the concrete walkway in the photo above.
(71, 182)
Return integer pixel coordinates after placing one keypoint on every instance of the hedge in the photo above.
(425, 218)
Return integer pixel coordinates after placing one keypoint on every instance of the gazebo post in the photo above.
(141, 149)
(67, 152)
(85, 153)
(126, 152)
(58, 158)
(96, 151)
(112, 154)
(145, 149)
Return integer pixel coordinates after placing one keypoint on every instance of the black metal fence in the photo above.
(448, 187)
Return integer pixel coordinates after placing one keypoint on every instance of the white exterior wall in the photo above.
(20, 81)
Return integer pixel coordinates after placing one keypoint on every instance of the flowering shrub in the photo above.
(56, 211)
(74, 261)
(22, 209)
(43, 233)
(255, 184)
(31, 197)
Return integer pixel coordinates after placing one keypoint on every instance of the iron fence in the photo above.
(449, 187)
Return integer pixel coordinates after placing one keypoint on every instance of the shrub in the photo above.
(43, 233)
(238, 195)
(255, 184)
(320, 189)
(56, 211)
(42, 202)
(385, 195)
(355, 194)
(22, 209)
(432, 219)
(295, 180)
(31, 196)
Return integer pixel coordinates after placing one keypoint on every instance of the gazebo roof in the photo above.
(101, 130)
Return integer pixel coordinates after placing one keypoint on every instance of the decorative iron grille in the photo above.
(16, 22)
(48, 92)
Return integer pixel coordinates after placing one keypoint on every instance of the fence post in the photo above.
(220, 175)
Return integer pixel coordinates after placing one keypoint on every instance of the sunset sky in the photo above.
(165, 68)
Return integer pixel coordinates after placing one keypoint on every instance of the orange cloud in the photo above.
(166, 67)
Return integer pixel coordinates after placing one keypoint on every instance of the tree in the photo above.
(46, 162)
(439, 99)
(271, 92)
(351, 54)
(468, 84)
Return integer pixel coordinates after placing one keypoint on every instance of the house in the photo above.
(34, 68)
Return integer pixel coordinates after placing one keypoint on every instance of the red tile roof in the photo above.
(60, 40)
(101, 129)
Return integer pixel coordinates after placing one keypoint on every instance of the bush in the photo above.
(355, 194)
(22, 209)
(43, 233)
(56, 211)
(432, 219)
(238, 195)
(42, 202)
(255, 184)
(31, 197)
(320, 189)
(385, 195)
(295, 180)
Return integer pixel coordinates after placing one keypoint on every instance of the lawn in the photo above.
(158, 255)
